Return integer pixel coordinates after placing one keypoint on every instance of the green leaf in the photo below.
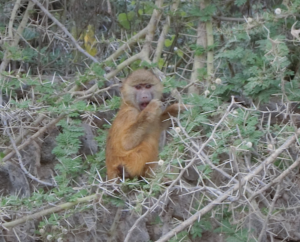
(179, 52)
(240, 2)
(130, 15)
(1, 156)
(124, 19)
(117, 202)
(205, 169)
(169, 42)
(183, 14)
(204, 14)
(30, 33)
(199, 49)
(160, 63)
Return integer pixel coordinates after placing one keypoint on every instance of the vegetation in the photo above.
(228, 169)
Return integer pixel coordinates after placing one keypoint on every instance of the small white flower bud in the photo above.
(175, 48)
(160, 162)
(49, 237)
(42, 231)
(249, 144)
(177, 130)
(213, 87)
(250, 20)
(218, 81)
(235, 112)
(270, 147)
(277, 11)
(59, 239)
(206, 93)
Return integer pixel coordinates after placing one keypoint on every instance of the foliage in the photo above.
(199, 227)
(255, 59)
(234, 235)
(68, 144)
(125, 19)
(204, 14)
(182, 236)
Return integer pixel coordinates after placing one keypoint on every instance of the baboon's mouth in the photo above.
(144, 105)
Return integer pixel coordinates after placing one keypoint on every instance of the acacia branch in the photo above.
(143, 55)
(151, 31)
(210, 53)
(48, 211)
(199, 60)
(229, 19)
(277, 179)
(37, 134)
(16, 37)
(12, 19)
(164, 32)
(27, 173)
(220, 199)
(63, 28)
(35, 124)
(130, 42)
(264, 228)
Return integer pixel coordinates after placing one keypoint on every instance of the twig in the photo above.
(114, 226)
(277, 179)
(151, 31)
(27, 173)
(199, 60)
(96, 92)
(264, 228)
(143, 55)
(63, 28)
(163, 34)
(203, 145)
(37, 134)
(16, 38)
(220, 199)
(12, 19)
(236, 169)
(130, 42)
(229, 19)
(48, 211)
(295, 32)
(109, 7)
(109, 75)
(203, 157)
(39, 119)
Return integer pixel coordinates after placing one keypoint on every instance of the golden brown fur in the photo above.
(133, 139)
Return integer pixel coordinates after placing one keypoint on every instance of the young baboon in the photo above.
(133, 139)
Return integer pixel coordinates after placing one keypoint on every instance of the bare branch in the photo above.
(63, 28)
(27, 173)
(37, 134)
(220, 199)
